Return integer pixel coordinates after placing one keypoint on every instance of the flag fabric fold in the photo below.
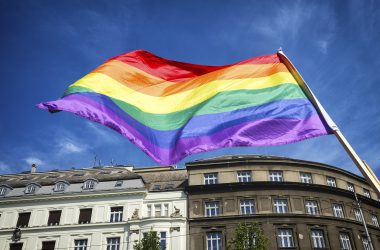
(173, 109)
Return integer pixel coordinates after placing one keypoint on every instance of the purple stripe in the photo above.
(263, 132)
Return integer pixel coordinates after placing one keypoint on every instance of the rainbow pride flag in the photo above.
(173, 109)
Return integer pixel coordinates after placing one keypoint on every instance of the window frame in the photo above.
(19, 220)
(335, 205)
(374, 220)
(51, 214)
(331, 181)
(280, 240)
(251, 206)
(163, 240)
(216, 237)
(210, 208)
(309, 208)
(322, 236)
(89, 184)
(367, 193)
(244, 176)
(309, 177)
(80, 245)
(210, 178)
(276, 206)
(341, 241)
(111, 244)
(276, 176)
(31, 188)
(87, 221)
(350, 187)
(116, 216)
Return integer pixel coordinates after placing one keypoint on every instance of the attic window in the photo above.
(30, 189)
(59, 186)
(3, 190)
(118, 183)
(89, 184)
(169, 186)
(79, 174)
(157, 187)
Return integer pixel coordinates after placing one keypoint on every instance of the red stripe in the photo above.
(179, 71)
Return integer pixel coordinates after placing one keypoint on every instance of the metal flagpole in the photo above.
(363, 220)
(363, 167)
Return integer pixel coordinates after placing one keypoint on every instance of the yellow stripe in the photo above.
(106, 85)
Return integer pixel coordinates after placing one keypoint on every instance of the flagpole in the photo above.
(363, 167)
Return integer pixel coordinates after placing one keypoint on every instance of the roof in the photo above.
(71, 176)
(164, 179)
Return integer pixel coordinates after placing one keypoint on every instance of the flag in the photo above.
(173, 109)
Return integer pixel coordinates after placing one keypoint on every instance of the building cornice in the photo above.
(78, 195)
(267, 185)
(266, 160)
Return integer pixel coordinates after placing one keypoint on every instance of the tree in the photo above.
(150, 241)
(248, 236)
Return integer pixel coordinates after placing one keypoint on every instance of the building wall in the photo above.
(229, 192)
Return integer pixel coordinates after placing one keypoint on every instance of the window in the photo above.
(214, 241)
(3, 190)
(54, 217)
(311, 207)
(338, 210)
(162, 240)
(350, 187)
(306, 178)
(285, 237)
(48, 245)
(330, 181)
(149, 210)
(116, 214)
(212, 208)
(366, 244)
(157, 210)
(23, 219)
(366, 193)
(211, 178)
(113, 243)
(244, 176)
(15, 246)
(118, 183)
(169, 186)
(317, 238)
(280, 206)
(275, 176)
(157, 187)
(89, 184)
(59, 187)
(247, 206)
(30, 189)
(345, 242)
(166, 209)
(85, 216)
(374, 220)
(80, 244)
(358, 215)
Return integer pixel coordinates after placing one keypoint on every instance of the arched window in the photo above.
(3, 190)
(31, 189)
(60, 186)
(89, 184)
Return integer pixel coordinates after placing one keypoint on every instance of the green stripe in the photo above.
(237, 99)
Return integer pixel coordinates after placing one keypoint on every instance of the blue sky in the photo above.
(47, 45)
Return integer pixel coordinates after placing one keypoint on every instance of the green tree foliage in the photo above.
(150, 241)
(248, 236)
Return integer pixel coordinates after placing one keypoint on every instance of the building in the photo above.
(299, 204)
(93, 208)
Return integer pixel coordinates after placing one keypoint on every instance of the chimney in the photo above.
(33, 169)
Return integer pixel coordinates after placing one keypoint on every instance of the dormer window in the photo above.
(31, 189)
(60, 186)
(3, 190)
(89, 184)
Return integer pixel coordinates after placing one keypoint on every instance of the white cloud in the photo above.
(4, 167)
(67, 146)
(34, 160)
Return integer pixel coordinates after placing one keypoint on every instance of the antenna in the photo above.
(94, 161)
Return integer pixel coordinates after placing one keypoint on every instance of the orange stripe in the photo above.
(143, 82)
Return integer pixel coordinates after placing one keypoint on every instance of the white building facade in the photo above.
(96, 208)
